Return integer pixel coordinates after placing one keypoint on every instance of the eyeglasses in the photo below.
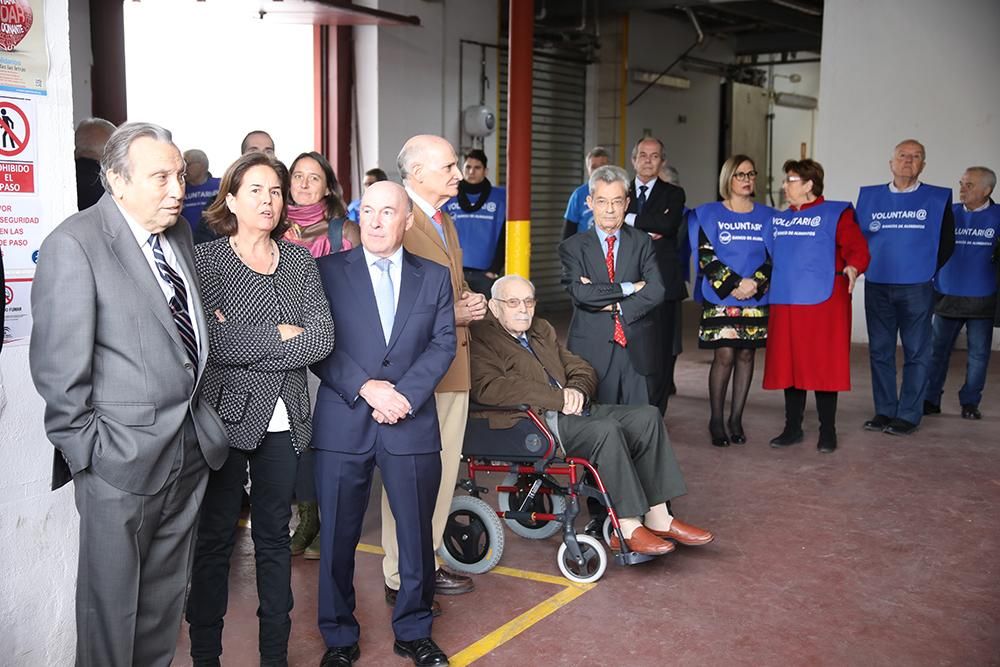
(745, 175)
(791, 179)
(516, 303)
(609, 204)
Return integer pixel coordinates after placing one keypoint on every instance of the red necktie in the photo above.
(438, 218)
(610, 261)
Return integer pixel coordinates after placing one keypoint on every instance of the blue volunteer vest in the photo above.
(903, 231)
(803, 247)
(577, 210)
(738, 241)
(970, 271)
(197, 198)
(479, 231)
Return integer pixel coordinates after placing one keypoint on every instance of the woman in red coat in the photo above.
(818, 252)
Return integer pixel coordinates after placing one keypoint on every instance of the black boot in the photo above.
(795, 406)
(826, 406)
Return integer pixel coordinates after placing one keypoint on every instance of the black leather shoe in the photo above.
(595, 527)
(787, 438)
(736, 434)
(423, 652)
(341, 656)
(450, 583)
(390, 599)
(900, 427)
(877, 423)
(206, 662)
(718, 434)
(827, 443)
(971, 412)
(931, 409)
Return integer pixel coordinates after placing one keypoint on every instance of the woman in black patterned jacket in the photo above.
(268, 320)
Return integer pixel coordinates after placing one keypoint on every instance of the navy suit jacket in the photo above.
(419, 352)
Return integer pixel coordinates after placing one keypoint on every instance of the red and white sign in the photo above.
(17, 117)
(17, 178)
(21, 232)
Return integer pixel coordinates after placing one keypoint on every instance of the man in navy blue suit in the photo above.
(395, 327)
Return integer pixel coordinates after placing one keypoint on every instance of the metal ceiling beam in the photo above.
(774, 42)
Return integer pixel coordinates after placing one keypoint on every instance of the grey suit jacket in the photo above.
(591, 331)
(107, 359)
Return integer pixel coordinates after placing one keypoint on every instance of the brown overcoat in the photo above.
(504, 373)
(423, 240)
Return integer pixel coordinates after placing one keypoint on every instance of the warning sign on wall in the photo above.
(17, 311)
(20, 233)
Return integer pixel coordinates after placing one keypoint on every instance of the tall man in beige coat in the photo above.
(429, 168)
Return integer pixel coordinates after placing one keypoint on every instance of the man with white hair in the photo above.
(967, 292)
(910, 229)
(90, 137)
(517, 358)
(611, 274)
(429, 168)
(201, 190)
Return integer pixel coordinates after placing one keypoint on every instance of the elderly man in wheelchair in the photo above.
(517, 360)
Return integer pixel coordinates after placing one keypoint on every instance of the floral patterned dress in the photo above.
(730, 326)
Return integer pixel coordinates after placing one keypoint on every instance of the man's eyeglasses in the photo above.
(608, 204)
(745, 175)
(516, 303)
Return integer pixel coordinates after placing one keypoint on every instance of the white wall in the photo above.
(691, 146)
(792, 127)
(407, 77)
(38, 528)
(927, 71)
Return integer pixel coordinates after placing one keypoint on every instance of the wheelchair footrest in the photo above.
(632, 558)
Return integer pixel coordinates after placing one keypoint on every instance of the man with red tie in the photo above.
(611, 274)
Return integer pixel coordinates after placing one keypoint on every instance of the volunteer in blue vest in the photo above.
(967, 292)
(373, 175)
(578, 216)
(736, 273)
(910, 230)
(200, 190)
(817, 251)
(479, 212)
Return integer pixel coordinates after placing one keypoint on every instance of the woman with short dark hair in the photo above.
(817, 251)
(268, 320)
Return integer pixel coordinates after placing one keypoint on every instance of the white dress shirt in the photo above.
(630, 217)
(893, 188)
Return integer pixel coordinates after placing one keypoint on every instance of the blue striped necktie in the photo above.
(178, 302)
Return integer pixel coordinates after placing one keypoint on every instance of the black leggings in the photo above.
(737, 363)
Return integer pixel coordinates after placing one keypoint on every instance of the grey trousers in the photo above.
(135, 559)
(622, 384)
(630, 447)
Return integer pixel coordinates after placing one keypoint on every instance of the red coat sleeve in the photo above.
(852, 248)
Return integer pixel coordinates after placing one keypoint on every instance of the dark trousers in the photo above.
(904, 310)
(343, 485)
(622, 384)
(479, 281)
(272, 480)
(979, 332)
(135, 559)
(305, 478)
(659, 384)
(631, 450)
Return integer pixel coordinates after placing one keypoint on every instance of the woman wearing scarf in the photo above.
(318, 222)
(317, 212)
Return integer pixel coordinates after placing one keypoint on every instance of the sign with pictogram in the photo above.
(17, 311)
(15, 129)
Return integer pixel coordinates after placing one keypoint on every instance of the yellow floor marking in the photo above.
(516, 626)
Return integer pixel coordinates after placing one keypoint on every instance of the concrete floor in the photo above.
(883, 553)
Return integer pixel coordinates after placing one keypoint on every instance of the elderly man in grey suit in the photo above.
(117, 352)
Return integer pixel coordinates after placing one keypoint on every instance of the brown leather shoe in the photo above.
(451, 583)
(684, 533)
(643, 541)
(390, 599)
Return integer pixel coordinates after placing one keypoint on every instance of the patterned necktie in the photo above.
(523, 340)
(610, 261)
(178, 302)
(641, 199)
(438, 219)
(385, 297)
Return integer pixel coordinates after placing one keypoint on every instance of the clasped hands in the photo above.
(388, 405)
(471, 306)
(745, 290)
(584, 280)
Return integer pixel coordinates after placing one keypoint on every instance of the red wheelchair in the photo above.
(538, 498)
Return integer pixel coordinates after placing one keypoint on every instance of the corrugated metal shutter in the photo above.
(557, 150)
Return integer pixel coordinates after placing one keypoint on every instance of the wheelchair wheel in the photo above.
(473, 536)
(595, 561)
(607, 531)
(546, 503)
